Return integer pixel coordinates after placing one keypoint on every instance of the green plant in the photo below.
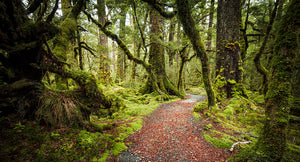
(59, 109)
(19, 127)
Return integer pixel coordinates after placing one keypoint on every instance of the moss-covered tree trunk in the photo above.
(157, 57)
(228, 60)
(184, 13)
(272, 141)
(156, 54)
(25, 57)
(295, 109)
(260, 68)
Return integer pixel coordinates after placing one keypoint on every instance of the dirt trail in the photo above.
(171, 133)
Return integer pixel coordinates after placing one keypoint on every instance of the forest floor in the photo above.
(171, 133)
(149, 128)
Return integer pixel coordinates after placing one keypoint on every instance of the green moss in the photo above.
(200, 106)
(118, 148)
(229, 112)
(197, 116)
(259, 99)
(208, 127)
(230, 81)
(220, 143)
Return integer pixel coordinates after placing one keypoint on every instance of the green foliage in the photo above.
(218, 84)
(118, 148)
(200, 106)
(220, 143)
(208, 127)
(19, 127)
(197, 116)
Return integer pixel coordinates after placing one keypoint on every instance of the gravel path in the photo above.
(171, 133)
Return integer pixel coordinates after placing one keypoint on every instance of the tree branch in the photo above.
(115, 38)
(140, 29)
(158, 8)
(51, 15)
(130, 56)
(34, 5)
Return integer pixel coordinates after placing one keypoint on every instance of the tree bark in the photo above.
(228, 61)
(157, 57)
(104, 69)
(189, 26)
(121, 56)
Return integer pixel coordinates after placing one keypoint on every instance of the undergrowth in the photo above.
(239, 120)
(23, 140)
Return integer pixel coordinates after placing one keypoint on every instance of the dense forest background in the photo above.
(75, 68)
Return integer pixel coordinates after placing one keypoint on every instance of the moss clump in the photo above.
(218, 142)
(200, 106)
(118, 148)
(197, 116)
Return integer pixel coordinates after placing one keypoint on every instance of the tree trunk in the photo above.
(272, 142)
(211, 19)
(184, 13)
(104, 70)
(228, 61)
(171, 51)
(26, 61)
(157, 57)
(121, 56)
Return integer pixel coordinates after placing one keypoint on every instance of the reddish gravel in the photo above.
(171, 133)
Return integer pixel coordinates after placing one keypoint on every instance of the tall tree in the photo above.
(189, 26)
(104, 70)
(272, 142)
(121, 62)
(156, 55)
(228, 60)
(210, 23)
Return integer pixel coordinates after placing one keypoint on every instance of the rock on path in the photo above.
(170, 133)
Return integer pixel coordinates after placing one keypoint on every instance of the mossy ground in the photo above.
(238, 120)
(26, 140)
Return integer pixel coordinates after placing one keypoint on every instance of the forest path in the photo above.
(171, 133)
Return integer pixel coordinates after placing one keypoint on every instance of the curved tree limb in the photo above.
(51, 15)
(130, 56)
(189, 26)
